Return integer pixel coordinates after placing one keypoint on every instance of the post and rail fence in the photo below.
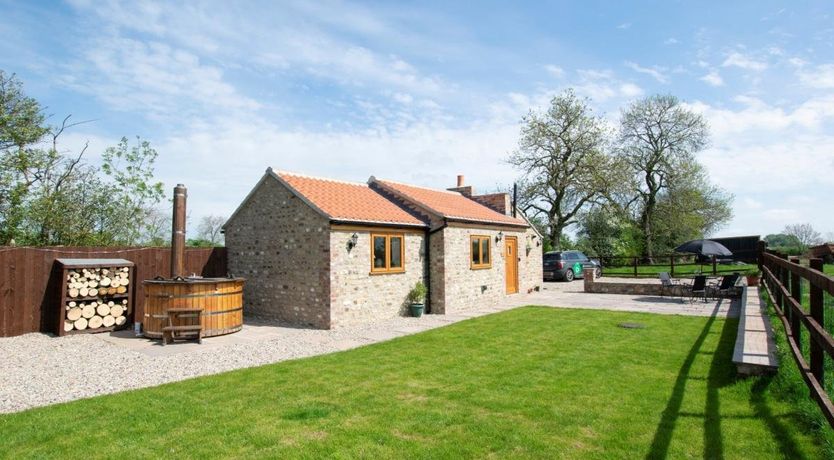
(675, 264)
(783, 279)
(29, 288)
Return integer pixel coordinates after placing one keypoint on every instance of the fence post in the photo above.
(796, 293)
(783, 280)
(761, 247)
(634, 261)
(672, 264)
(818, 314)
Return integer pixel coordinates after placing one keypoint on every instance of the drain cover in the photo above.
(632, 325)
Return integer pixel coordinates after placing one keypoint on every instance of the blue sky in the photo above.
(420, 92)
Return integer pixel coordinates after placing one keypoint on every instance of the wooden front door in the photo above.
(511, 262)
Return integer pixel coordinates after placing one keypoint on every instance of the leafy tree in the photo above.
(133, 192)
(804, 233)
(51, 197)
(658, 138)
(562, 153)
(691, 208)
(210, 229)
(784, 243)
(606, 232)
(22, 121)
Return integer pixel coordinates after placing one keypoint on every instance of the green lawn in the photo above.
(532, 382)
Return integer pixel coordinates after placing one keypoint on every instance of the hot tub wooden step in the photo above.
(195, 327)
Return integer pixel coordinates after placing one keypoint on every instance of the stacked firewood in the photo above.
(95, 298)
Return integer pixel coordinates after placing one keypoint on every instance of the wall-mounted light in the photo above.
(499, 236)
(354, 239)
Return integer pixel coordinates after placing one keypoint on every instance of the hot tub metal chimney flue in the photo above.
(178, 232)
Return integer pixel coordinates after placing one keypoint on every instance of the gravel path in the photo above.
(39, 369)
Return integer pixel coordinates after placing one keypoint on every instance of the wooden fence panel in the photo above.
(28, 292)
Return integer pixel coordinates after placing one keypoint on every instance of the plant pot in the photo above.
(752, 280)
(416, 309)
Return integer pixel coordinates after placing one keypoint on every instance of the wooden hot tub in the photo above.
(220, 298)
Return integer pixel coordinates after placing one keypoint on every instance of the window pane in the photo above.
(485, 250)
(379, 252)
(476, 258)
(396, 252)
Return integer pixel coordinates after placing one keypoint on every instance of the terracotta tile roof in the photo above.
(451, 205)
(348, 201)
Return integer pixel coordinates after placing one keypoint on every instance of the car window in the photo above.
(582, 256)
(552, 257)
(571, 256)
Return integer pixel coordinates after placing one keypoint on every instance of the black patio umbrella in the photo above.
(704, 248)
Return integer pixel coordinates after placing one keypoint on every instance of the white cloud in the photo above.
(742, 61)
(797, 62)
(556, 71)
(602, 85)
(671, 41)
(821, 76)
(713, 78)
(630, 90)
(411, 154)
(655, 72)
(624, 26)
(154, 78)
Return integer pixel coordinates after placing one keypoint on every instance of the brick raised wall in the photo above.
(356, 295)
(499, 202)
(282, 247)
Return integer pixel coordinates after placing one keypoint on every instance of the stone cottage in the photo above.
(324, 253)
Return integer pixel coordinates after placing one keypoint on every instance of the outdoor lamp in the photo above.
(499, 236)
(352, 241)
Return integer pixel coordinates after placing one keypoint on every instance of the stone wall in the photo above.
(282, 247)
(465, 288)
(592, 284)
(356, 295)
(530, 269)
(437, 269)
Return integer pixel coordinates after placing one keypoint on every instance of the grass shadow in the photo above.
(663, 434)
(780, 432)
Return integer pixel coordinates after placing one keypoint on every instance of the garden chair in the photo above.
(698, 288)
(667, 283)
(726, 287)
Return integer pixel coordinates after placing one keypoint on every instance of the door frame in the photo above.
(514, 263)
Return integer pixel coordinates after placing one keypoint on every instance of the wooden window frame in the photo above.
(387, 269)
(480, 265)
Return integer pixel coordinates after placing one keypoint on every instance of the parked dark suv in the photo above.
(567, 265)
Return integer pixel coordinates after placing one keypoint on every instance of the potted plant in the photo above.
(753, 278)
(416, 297)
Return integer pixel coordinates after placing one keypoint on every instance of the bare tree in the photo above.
(209, 229)
(657, 136)
(805, 233)
(562, 153)
(157, 228)
(829, 237)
